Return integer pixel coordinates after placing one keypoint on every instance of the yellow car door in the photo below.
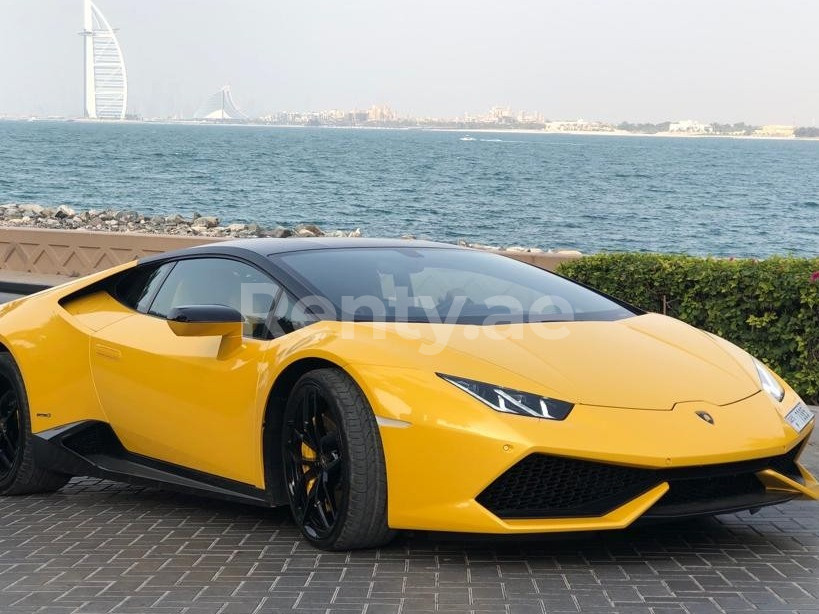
(193, 401)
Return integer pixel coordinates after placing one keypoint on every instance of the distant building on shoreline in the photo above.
(579, 125)
(105, 80)
(220, 106)
(690, 126)
(777, 130)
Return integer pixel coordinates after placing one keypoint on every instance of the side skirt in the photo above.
(92, 448)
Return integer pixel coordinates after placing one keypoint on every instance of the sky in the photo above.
(612, 60)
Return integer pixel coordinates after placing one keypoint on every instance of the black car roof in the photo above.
(267, 246)
(261, 248)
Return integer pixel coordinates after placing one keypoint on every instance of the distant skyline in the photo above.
(634, 60)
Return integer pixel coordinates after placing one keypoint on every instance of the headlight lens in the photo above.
(768, 381)
(510, 401)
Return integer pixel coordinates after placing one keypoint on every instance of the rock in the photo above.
(311, 228)
(34, 215)
(279, 232)
(64, 212)
(205, 221)
(30, 209)
(493, 248)
(126, 216)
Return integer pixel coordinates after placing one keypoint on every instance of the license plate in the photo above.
(799, 417)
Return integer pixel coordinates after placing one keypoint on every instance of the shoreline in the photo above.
(490, 130)
(32, 216)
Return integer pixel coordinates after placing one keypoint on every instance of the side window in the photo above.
(289, 315)
(220, 281)
(136, 288)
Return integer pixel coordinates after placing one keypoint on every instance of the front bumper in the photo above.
(441, 465)
(544, 486)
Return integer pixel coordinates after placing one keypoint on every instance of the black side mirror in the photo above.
(205, 321)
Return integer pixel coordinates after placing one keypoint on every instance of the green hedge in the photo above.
(768, 307)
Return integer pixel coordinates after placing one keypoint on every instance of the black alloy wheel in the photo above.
(20, 472)
(334, 469)
(316, 467)
(11, 440)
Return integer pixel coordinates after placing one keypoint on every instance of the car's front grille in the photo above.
(709, 488)
(544, 486)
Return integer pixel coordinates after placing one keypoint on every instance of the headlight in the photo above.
(510, 401)
(768, 381)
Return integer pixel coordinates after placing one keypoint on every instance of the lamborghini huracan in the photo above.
(377, 385)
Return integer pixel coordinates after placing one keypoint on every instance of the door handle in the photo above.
(107, 351)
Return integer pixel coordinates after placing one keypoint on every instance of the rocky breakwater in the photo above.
(66, 218)
(126, 221)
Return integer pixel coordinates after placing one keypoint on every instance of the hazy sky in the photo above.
(712, 60)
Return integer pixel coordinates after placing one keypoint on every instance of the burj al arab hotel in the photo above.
(106, 84)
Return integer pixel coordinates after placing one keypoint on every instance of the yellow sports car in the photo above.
(376, 385)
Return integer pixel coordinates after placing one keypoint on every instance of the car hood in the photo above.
(643, 362)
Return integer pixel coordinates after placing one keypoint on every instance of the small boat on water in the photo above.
(466, 138)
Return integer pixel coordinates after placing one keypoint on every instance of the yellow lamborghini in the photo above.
(381, 385)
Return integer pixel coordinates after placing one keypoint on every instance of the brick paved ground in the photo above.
(103, 547)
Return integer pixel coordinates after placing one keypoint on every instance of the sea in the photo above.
(707, 196)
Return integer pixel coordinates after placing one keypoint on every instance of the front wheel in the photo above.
(19, 471)
(333, 461)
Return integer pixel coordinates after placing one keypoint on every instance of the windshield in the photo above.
(406, 284)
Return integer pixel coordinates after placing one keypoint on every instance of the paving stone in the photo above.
(100, 547)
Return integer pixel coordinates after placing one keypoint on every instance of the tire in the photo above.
(334, 469)
(19, 473)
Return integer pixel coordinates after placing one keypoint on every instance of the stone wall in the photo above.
(74, 253)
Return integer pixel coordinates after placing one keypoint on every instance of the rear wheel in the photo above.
(334, 466)
(19, 473)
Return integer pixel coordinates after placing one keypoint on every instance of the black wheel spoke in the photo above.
(5, 461)
(309, 413)
(299, 494)
(7, 402)
(329, 443)
(329, 500)
(332, 467)
(321, 514)
(299, 459)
